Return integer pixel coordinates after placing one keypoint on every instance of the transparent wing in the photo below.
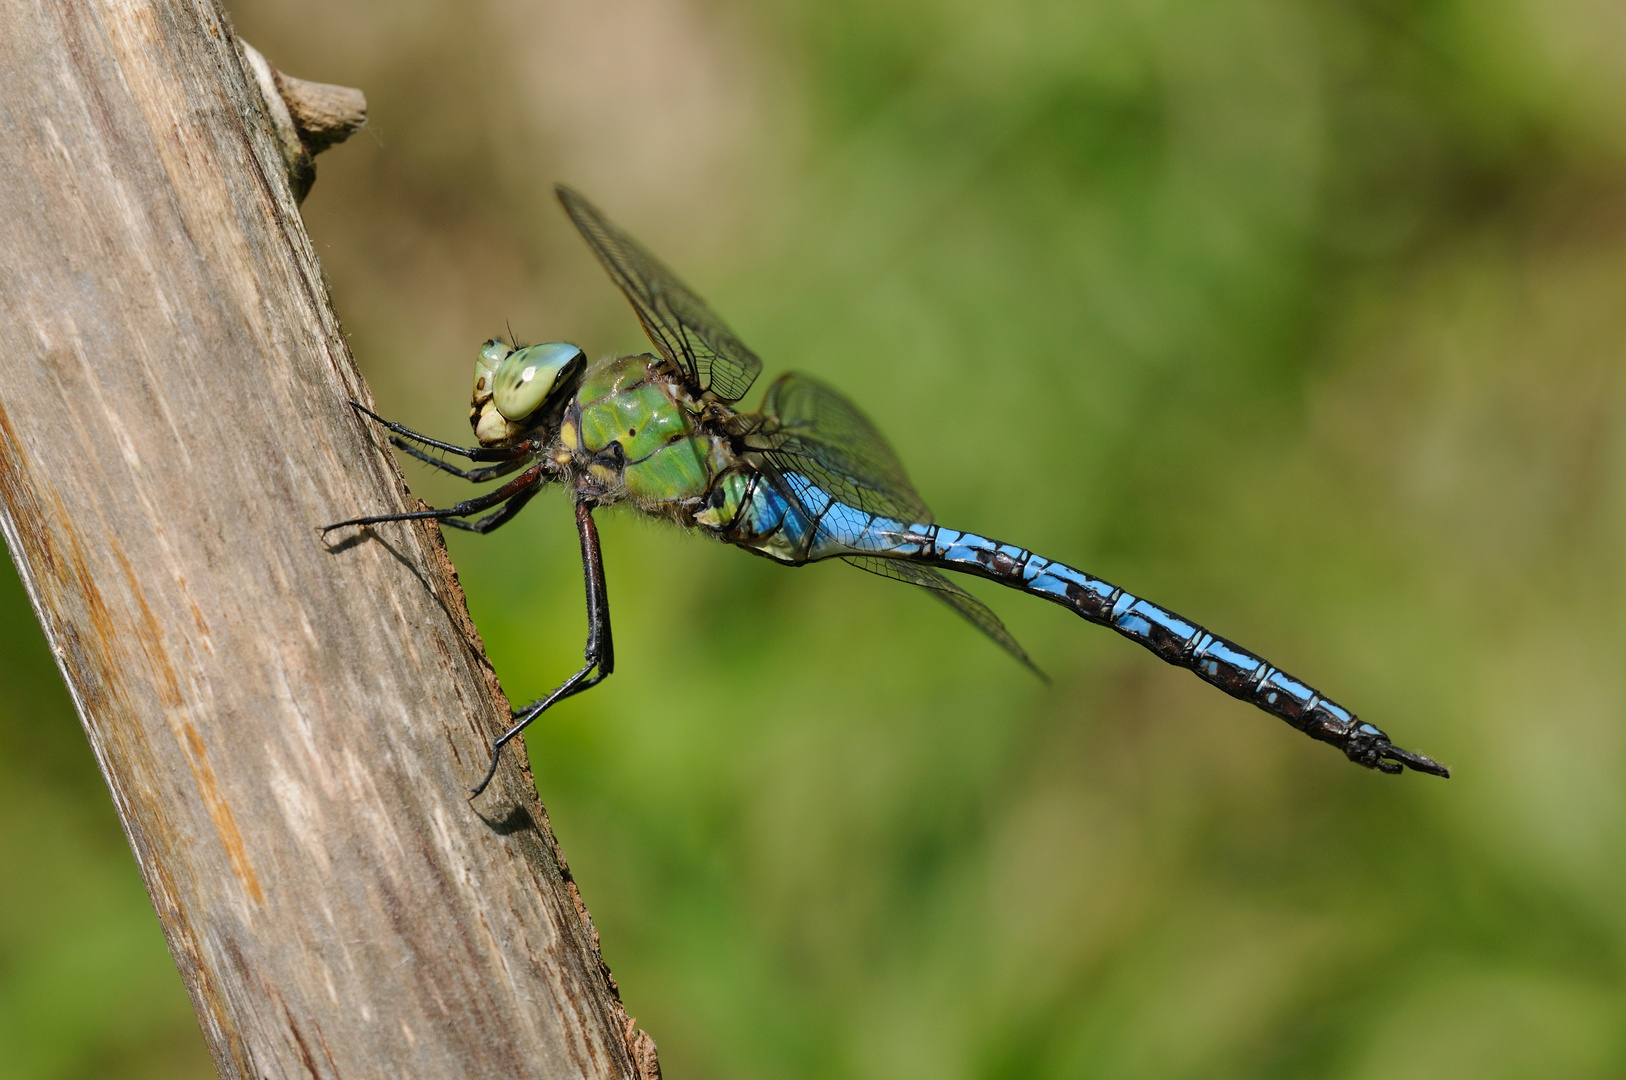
(809, 430)
(813, 437)
(975, 611)
(680, 324)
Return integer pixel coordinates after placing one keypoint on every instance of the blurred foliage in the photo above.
(1303, 318)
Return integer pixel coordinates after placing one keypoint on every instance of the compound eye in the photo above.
(491, 357)
(526, 378)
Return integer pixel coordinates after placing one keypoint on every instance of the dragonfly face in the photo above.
(510, 386)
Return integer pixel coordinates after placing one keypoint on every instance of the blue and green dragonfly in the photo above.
(805, 477)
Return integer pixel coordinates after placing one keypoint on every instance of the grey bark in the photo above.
(288, 731)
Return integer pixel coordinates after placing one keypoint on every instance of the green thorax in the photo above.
(632, 428)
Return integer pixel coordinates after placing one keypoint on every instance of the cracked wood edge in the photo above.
(287, 730)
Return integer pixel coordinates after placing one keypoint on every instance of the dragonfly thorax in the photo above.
(511, 385)
(633, 431)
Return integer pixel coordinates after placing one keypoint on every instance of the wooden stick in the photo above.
(288, 731)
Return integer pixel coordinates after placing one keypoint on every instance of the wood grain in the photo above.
(288, 731)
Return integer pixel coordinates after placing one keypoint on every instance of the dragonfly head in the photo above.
(512, 385)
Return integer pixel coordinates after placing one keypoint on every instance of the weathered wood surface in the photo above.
(288, 731)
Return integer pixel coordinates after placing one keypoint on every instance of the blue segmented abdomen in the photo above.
(1176, 640)
(804, 524)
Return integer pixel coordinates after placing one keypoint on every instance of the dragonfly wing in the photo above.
(975, 611)
(680, 324)
(814, 438)
(812, 432)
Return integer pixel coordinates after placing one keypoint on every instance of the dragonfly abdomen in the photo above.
(1177, 641)
(787, 517)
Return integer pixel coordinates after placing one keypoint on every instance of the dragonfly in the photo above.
(805, 477)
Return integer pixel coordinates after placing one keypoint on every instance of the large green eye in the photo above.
(492, 354)
(527, 377)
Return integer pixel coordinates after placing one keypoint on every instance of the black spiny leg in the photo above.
(475, 476)
(531, 478)
(497, 518)
(600, 651)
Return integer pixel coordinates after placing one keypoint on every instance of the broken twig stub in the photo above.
(308, 117)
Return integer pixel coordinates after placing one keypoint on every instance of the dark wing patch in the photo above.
(974, 611)
(680, 324)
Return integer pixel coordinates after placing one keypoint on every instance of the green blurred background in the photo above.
(1303, 317)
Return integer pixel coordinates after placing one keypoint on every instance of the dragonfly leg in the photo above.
(476, 453)
(497, 518)
(599, 654)
(530, 478)
(475, 476)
